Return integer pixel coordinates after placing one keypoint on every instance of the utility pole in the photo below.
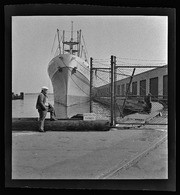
(115, 78)
(91, 82)
(112, 90)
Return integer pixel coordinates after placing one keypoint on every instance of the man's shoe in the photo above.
(40, 130)
(53, 119)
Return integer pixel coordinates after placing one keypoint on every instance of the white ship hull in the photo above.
(69, 75)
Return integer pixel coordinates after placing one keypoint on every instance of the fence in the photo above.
(127, 87)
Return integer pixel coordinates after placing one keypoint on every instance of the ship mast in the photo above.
(71, 43)
(71, 31)
(79, 42)
(59, 41)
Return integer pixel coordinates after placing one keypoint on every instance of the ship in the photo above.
(69, 72)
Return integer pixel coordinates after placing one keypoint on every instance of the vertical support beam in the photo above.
(115, 90)
(91, 82)
(112, 90)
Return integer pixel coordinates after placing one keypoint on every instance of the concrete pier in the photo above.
(88, 155)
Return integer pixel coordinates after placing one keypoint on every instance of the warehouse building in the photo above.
(154, 81)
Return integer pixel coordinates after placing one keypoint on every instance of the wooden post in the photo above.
(112, 91)
(115, 78)
(91, 82)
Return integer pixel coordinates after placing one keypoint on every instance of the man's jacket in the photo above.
(40, 105)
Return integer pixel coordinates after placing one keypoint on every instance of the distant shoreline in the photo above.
(36, 93)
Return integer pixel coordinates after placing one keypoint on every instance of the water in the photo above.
(27, 107)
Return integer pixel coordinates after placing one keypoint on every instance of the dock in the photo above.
(17, 97)
(79, 149)
(84, 155)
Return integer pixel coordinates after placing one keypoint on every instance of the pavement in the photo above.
(153, 165)
(86, 155)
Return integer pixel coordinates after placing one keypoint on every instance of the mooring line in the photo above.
(112, 171)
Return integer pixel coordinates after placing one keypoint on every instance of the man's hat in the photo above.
(44, 87)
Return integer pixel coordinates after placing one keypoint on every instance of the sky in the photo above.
(132, 39)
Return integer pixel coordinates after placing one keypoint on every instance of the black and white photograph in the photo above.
(89, 97)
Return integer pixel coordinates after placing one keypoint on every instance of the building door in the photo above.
(165, 86)
(134, 88)
(142, 87)
(122, 89)
(154, 87)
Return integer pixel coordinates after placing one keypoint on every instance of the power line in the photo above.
(85, 45)
(122, 62)
(155, 64)
(94, 59)
(82, 65)
(137, 59)
(101, 63)
(56, 52)
(122, 74)
(103, 71)
(102, 79)
(53, 42)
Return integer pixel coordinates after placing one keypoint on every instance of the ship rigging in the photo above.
(76, 47)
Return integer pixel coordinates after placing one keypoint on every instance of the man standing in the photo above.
(148, 104)
(43, 107)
